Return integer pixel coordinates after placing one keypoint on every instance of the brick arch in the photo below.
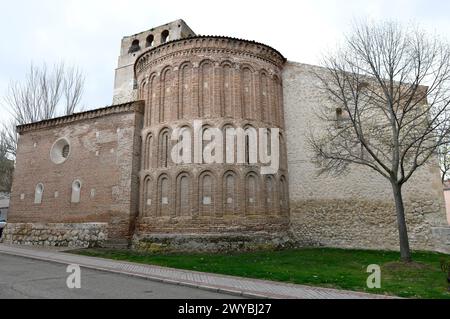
(168, 94)
(149, 152)
(163, 195)
(230, 190)
(228, 148)
(141, 91)
(208, 193)
(181, 127)
(270, 192)
(152, 100)
(250, 139)
(276, 100)
(248, 91)
(226, 89)
(206, 88)
(264, 98)
(184, 194)
(252, 191)
(186, 90)
(164, 147)
(147, 198)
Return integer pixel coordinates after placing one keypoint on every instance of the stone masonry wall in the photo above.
(56, 235)
(356, 210)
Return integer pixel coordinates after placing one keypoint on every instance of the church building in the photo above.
(106, 176)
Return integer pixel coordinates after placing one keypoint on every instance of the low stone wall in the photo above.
(363, 224)
(212, 243)
(56, 235)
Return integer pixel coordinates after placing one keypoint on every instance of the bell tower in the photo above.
(135, 45)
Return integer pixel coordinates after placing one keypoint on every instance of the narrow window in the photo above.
(164, 149)
(164, 36)
(230, 193)
(39, 191)
(251, 193)
(150, 41)
(183, 198)
(76, 192)
(134, 47)
(147, 205)
(341, 117)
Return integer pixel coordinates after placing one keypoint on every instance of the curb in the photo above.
(190, 284)
(231, 292)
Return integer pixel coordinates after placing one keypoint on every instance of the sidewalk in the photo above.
(251, 288)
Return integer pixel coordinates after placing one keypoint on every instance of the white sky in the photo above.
(87, 33)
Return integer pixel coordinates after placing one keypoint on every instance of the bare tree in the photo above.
(6, 169)
(44, 94)
(444, 160)
(390, 89)
(73, 87)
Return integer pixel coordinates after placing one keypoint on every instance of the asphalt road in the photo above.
(22, 278)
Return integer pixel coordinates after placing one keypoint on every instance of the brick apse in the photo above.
(107, 174)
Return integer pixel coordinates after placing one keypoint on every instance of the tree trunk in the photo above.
(405, 251)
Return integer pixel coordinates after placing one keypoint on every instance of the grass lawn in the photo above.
(324, 267)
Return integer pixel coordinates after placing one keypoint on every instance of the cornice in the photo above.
(137, 107)
(213, 44)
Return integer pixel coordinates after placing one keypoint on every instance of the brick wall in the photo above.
(102, 143)
(224, 82)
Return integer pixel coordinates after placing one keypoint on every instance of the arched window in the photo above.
(134, 47)
(341, 118)
(152, 100)
(204, 143)
(76, 191)
(227, 91)
(164, 149)
(248, 93)
(148, 156)
(165, 36)
(251, 145)
(206, 88)
(150, 41)
(264, 87)
(252, 190)
(187, 91)
(207, 198)
(183, 195)
(163, 190)
(38, 193)
(185, 148)
(167, 95)
(270, 193)
(148, 202)
(230, 195)
(275, 100)
(230, 144)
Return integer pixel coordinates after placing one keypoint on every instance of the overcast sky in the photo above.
(87, 33)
